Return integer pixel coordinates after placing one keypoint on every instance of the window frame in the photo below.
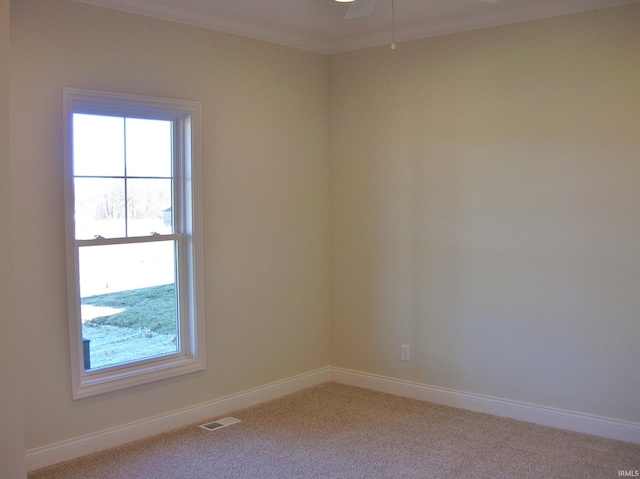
(187, 233)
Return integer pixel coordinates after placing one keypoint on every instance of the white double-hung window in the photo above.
(134, 249)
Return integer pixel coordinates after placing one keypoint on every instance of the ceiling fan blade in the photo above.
(360, 8)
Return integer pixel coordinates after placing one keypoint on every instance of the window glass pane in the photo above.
(98, 145)
(149, 206)
(99, 207)
(148, 148)
(128, 302)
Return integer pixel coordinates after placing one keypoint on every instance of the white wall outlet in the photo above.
(404, 352)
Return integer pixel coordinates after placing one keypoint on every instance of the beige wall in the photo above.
(265, 177)
(12, 445)
(472, 195)
(485, 195)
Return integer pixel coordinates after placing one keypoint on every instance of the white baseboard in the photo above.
(558, 418)
(101, 440)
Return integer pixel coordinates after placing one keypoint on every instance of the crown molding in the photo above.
(216, 20)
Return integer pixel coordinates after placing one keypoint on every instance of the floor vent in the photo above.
(220, 423)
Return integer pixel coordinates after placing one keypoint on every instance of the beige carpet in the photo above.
(337, 431)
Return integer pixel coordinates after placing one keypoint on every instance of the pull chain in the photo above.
(393, 28)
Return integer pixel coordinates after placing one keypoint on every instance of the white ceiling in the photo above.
(319, 25)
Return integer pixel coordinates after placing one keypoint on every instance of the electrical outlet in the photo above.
(404, 352)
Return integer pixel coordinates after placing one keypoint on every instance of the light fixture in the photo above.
(344, 1)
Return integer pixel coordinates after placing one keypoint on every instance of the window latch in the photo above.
(155, 233)
(98, 237)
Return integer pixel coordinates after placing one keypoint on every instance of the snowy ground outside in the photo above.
(112, 345)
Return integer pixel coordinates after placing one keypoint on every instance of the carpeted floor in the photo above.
(337, 431)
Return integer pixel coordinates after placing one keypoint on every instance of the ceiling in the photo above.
(319, 25)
